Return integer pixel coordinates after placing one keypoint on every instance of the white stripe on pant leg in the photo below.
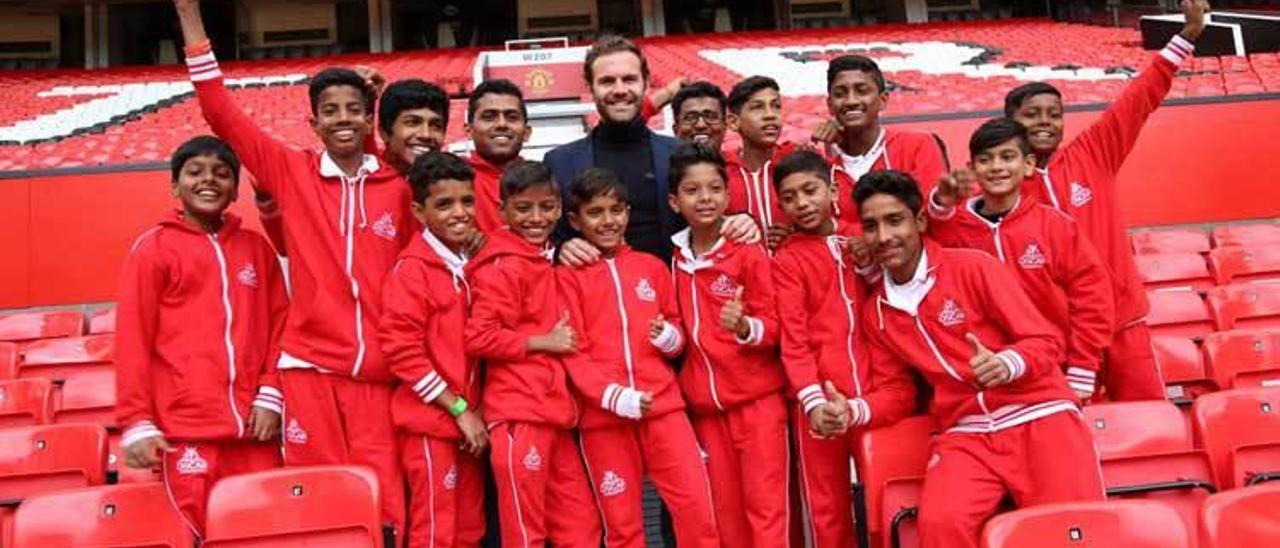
(591, 479)
(515, 492)
(164, 475)
(431, 492)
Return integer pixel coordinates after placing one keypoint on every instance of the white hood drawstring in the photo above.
(455, 262)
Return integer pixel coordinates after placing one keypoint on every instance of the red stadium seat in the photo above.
(1127, 523)
(118, 472)
(1182, 366)
(1248, 305)
(295, 507)
(1243, 517)
(1174, 271)
(1260, 234)
(1243, 357)
(1239, 264)
(25, 326)
(891, 465)
(1230, 421)
(24, 402)
(8, 360)
(1149, 242)
(87, 398)
(62, 358)
(114, 515)
(1178, 313)
(1127, 429)
(39, 459)
(103, 321)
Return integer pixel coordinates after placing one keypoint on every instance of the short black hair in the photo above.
(200, 146)
(1014, 99)
(522, 175)
(334, 77)
(690, 154)
(995, 132)
(433, 167)
(701, 88)
(743, 90)
(593, 182)
(895, 183)
(497, 86)
(860, 63)
(411, 94)
(801, 161)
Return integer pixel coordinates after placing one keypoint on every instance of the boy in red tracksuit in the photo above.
(624, 312)
(202, 307)
(1041, 246)
(498, 124)
(1080, 180)
(518, 327)
(425, 301)
(346, 218)
(731, 375)
(818, 294)
(1009, 422)
(859, 143)
(755, 112)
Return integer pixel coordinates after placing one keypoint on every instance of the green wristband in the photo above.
(458, 407)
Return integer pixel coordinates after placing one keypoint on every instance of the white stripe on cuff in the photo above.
(861, 411)
(270, 398)
(1013, 362)
(937, 211)
(669, 341)
(139, 431)
(755, 335)
(610, 398)
(1177, 50)
(810, 397)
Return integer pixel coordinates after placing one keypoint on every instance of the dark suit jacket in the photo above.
(568, 160)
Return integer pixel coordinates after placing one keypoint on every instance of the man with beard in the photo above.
(498, 124)
(618, 77)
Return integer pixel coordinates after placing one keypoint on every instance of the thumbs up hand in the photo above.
(733, 316)
(560, 340)
(988, 370)
(656, 326)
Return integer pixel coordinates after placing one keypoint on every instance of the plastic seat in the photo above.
(1243, 517)
(1127, 523)
(1247, 305)
(8, 360)
(1127, 429)
(1182, 366)
(1230, 421)
(40, 459)
(25, 326)
(25, 402)
(87, 398)
(1174, 270)
(1178, 313)
(891, 466)
(62, 358)
(103, 321)
(1170, 241)
(310, 506)
(1243, 357)
(1240, 263)
(114, 515)
(1260, 234)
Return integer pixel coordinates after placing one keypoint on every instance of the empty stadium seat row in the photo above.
(1158, 241)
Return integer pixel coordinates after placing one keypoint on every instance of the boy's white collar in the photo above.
(329, 168)
(907, 296)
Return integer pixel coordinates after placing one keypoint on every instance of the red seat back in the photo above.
(40, 459)
(1178, 313)
(1148, 242)
(115, 515)
(1246, 235)
(1127, 429)
(8, 360)
(1127, 523)
(309, 506)
(1253, 263)
(25, 326)
(25, 402)
(1247, 305)
(103, 321)
(1242, 517)
(1182, 366)
(1233, 418)
(896, 452)
(1243, 357)
(63, 358)
(87, 398)
(1174, 270)
(1255, 463)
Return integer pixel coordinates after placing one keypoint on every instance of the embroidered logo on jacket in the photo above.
(385, 226)
(951, 314)
(247, 276)
(1032, 257)
(294, 433)
(645, 292)
(723, 287)
(450, 478)
(611, 484)
(1080, 194)
(532, 460)
(192, 463)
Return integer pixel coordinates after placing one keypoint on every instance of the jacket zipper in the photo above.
(226, 334)
(938, 355)
(697, 325)
(622, 311)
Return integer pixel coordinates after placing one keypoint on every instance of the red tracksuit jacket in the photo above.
(342, 233)
(970, 292)
(488, 187)
(818, 293)
(720, 369)
(424, 306)
(516, 297)
(611, 304)
(1058, 269)
(753, 193)
(197, 332)
(913, 152)
(1080, 178)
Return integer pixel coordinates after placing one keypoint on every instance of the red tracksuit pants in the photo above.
(664, 448)
(748, 463)
(543, 492)
(446, 493)
(193, 467)
(333, 419)
(826, 479)
(1051, 459)
(1131, 373)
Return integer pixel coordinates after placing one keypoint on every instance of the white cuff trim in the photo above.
(429, 387)
(1082, 381)
(622, 401)
(1178, 49)
(936, 210)
(1013, 362)
(270, 398)
(669, 341)
(139, 431)
(810, 397)
(755, 335)
(859, 411)
(203, 67)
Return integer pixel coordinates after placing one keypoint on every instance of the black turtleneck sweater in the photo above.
(625, 150)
